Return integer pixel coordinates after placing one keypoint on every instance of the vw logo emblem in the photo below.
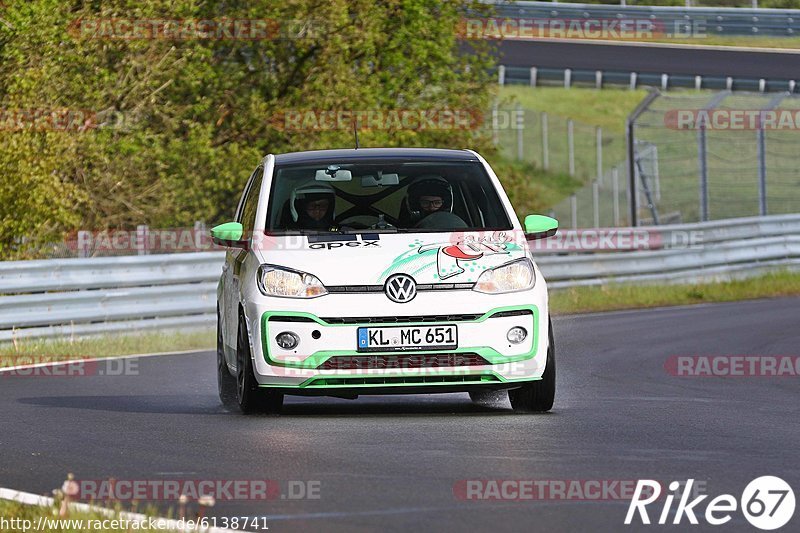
(400, 288)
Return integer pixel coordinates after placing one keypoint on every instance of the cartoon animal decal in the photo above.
(450, 257)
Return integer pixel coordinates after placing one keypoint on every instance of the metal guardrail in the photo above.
(567, 77)
(727, 249)
(714, 20)
(65, 297)
(704, 263)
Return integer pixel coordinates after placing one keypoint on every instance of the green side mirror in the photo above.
(540, 227)
(228, 234)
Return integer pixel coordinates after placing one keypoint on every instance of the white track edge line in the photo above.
(92, 359)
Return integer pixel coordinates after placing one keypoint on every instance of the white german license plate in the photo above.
(407, 338)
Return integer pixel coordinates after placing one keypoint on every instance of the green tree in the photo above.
(182, 122)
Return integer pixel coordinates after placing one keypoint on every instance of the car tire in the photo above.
(538, 396)
(226, 383)
(251, 398)
(489, 398)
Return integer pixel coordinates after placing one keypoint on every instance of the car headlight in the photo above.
(276, 281)
(515, 276)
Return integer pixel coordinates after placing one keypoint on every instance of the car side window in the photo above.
(251, 201)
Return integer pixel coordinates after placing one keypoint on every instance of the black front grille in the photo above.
(421, 287)
(336, 289)
(399, 319)
(402, 380)
(515, 312)
(466, 317)
(280, 318)
(402, 361)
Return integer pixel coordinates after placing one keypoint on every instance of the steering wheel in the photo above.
(364, 222)
(358, 222)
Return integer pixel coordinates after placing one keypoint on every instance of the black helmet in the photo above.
(430, 185)
(310, 192)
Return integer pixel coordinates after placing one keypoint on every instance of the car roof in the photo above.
(366, 154)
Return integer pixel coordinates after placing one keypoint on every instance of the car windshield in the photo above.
(418, 196)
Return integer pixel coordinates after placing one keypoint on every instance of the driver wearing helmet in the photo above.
(429, 194)
(430, 204)
(312, 206)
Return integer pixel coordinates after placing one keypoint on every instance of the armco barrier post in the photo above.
(84, 243)
(761, 140)
(702, 162)
(545, 143)
(142, 239)
(495, 134)
(573, 204)
(571, 146)
(199, 234)
(762, 170)
(599, 152)
(615, 190)
(630, 137)
(519, 124)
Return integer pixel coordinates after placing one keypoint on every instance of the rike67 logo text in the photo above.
(767, 502)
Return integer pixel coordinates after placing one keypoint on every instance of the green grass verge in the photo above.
(607, 108)
(18, 516)
(39, 351)
(616, 296)
(743, 40)
(588, 109)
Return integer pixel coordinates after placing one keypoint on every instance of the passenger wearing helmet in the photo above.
(312, 206)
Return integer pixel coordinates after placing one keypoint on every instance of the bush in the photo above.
(182, 123)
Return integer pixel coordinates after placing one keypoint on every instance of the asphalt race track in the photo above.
(392, 462)
(651, 59)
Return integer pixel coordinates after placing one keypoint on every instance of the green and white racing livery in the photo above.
(380, 271)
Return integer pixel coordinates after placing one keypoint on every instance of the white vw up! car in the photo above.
(381, 271)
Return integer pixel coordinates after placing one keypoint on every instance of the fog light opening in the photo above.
(287, 340)
(516, 335)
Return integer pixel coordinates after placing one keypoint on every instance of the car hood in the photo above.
(368, 259)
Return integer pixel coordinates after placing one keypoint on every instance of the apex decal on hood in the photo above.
(338, 240)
